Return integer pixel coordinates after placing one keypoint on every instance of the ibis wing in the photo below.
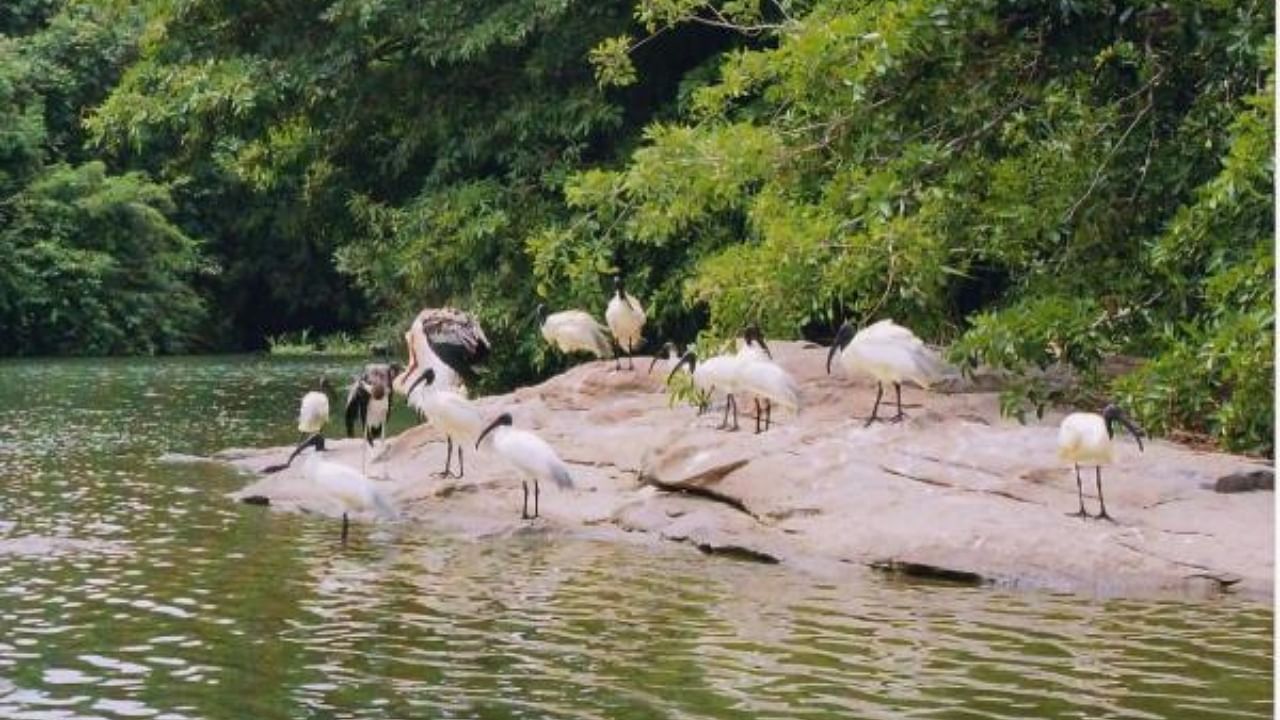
(357, 406)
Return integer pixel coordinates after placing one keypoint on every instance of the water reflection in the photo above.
(130, 587)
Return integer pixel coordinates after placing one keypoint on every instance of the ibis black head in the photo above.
(314, 441)
(428, 376)
(503, 419)
(323, 384)
(618, 289)
(842, 339)
(752, 334)
(1112, 414)
(668, 350)
(689, 358)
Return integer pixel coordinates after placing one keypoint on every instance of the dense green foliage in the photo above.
(1028, 181)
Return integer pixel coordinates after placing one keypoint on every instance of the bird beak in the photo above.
(1134, 430)
(653, 362)
(487, 430)
(416, 383)
(841, 340)
(687, 359)
(765, 346)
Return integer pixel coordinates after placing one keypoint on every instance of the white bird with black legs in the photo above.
(889, 353)
(450, 342)
(715, 374)
(572, 331)
(528, 454)
(1085, 439)
(449, 411)
(338, 485)
(625, 317)
(369, 403)
(313, 412)
(762, 378)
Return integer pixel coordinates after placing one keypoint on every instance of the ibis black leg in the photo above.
(897, 389)
(631, 363)
(448, 458)
(461, 470)
(536, 492)
(344, 528)
(724, 422)
(875, 408)
(768, 413)
(758, 414)
(734, 400)
(1101, 503)
(524, 509)
(1079, 491)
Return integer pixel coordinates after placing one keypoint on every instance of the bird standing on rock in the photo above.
(889, 353)
(452, 413)
(625, 317)
(313, 413)
(716, 373)
(369, 401)
(530, 455)
(447, 340)
(764, 379)
(574, 330)
(1086, 438)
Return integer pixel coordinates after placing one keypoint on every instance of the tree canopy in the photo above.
(1028, 182)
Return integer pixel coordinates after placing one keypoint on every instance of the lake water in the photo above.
(132, 587)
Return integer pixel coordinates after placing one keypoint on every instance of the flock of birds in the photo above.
(445, 345)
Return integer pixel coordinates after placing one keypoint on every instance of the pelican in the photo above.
(313, 413)
(717, 373)
(447, 340)
(530, 455)
(670, 352)
(349, 490)
(452, 413)
(625, 317)
(1086, 438)
(573, 330)
(887, 352)
(369, 400)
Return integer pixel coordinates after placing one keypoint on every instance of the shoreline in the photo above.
(955, 492)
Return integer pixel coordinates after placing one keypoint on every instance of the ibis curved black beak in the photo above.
(843, 336)
(1111, 414)
(316, 441)
(652, 362)
(428, 376)
(667, 349)
(503, 419)
(689, 358)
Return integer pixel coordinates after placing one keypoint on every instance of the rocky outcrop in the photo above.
(955, 492)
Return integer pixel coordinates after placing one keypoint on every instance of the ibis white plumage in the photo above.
(450, 342)
(889, 353)
(574, 331)
(625, 317)
(313, 412)
(719, 373)
(452, 413)
(345, 488)
(1085, 438)
(528, 454)
(762, 378)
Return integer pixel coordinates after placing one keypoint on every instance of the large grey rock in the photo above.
(955, 491)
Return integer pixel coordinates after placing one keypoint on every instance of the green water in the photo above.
(131, 587)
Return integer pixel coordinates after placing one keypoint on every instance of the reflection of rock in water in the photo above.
(955, 487)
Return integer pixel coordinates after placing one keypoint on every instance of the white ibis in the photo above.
(369, 400)
(887, 352)
(313, 413)
(1086, 438)
(456, 417)
(625, 318)
(716, 373)
(529, 454)
(574, 330)
(349, 490)
(448, 341)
